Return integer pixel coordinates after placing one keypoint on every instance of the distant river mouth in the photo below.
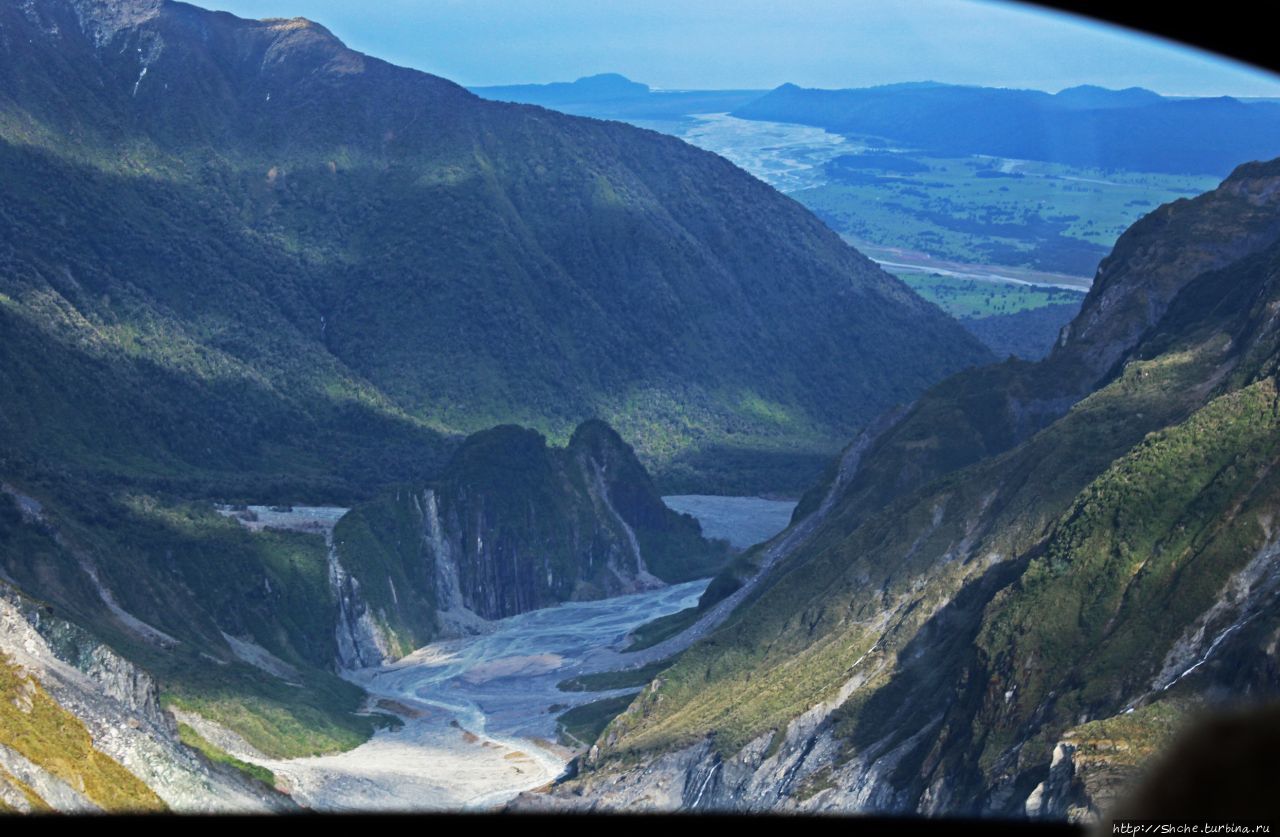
(480, 712)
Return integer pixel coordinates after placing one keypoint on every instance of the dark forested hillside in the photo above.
(241, 262)
(265, 253)
(1006, 599)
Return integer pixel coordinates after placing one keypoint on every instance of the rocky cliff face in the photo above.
(513, 525)
(236, 619)
(1160, 255)
(1015, 637)
(83, 730)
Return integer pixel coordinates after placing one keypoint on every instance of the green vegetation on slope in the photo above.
(282, 296)
(868, 582)
(315, 718)
(192, 574)
(34, 725)
(1144, 550)
(583, 724)
(382, 543)
(1128, 740)
(195, 740)
(608, 680)
(664, 627)
(144, 381)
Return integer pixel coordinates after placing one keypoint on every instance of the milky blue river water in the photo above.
(480, 712)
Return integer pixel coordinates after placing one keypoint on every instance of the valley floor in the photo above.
(479, 713)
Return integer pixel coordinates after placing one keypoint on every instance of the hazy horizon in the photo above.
(755, 44)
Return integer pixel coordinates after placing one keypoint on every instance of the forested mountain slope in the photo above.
(510, 525)
(979, 615)
(241, 262)
(238, 246)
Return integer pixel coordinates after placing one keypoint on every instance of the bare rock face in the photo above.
(511, 525)
(50, 789)
(1160, 254)
(360, 641)
(118, 703)
(1063, 795)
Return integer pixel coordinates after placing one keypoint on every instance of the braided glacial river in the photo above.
(480, 712)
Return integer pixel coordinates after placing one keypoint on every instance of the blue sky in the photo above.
(705, 44)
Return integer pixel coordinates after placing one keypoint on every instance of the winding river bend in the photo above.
(480, 712)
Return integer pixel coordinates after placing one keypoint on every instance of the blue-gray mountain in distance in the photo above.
(1133, 129)
(614, 96)
(600, 87)
(1130, 129)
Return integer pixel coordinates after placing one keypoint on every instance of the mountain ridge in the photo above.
(510, 525)
(397, 243)
(241, 263)
(1115, 130)
(958, 641)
